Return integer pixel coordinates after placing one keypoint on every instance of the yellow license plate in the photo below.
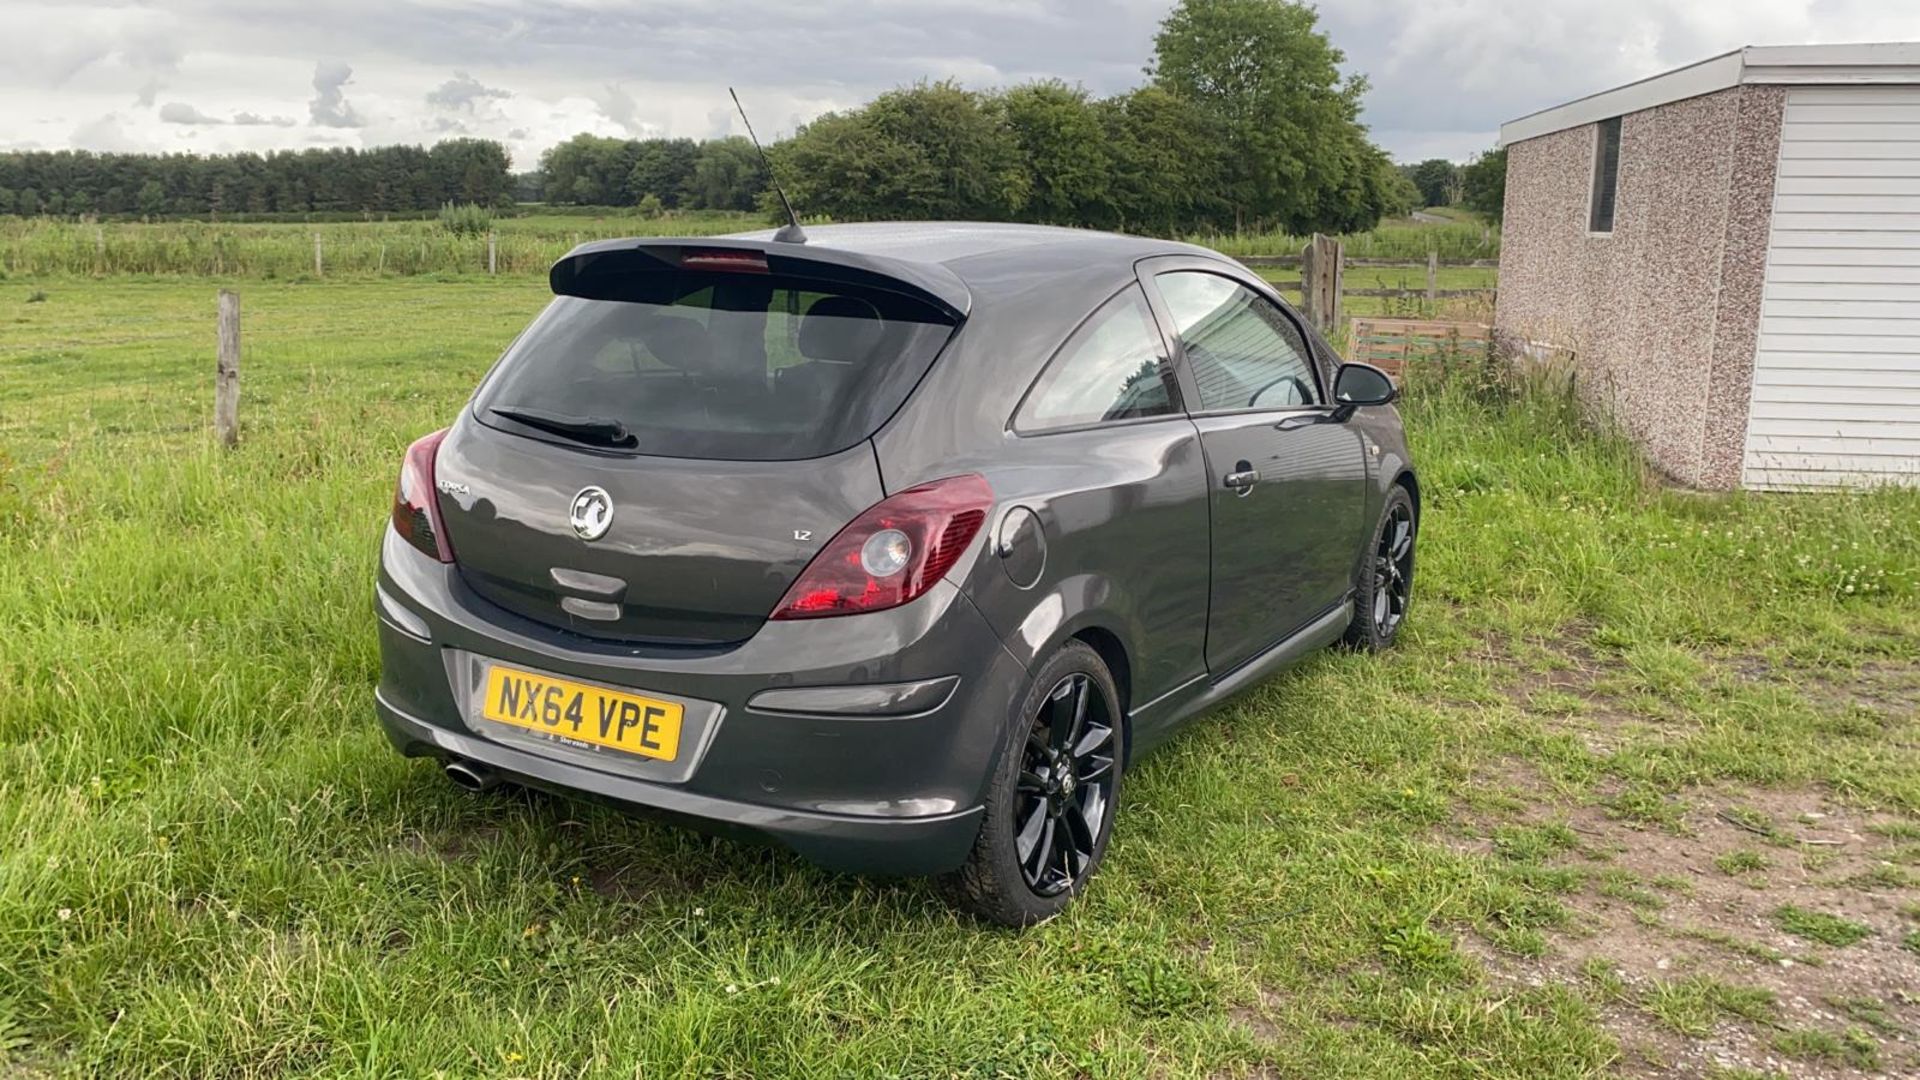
(582, 713)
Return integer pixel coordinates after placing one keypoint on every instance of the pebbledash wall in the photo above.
(1661, 315)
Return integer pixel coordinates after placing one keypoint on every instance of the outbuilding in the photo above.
(1730, 255)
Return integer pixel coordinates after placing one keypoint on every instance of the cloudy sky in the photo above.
(210, 75)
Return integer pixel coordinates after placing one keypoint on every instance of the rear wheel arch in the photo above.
(1113, 653)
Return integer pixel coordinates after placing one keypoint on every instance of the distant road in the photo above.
(1430, 219)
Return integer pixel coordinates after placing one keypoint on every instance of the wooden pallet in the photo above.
(1391, 344)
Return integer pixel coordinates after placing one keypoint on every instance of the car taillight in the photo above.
(416, 511)
(893, 552)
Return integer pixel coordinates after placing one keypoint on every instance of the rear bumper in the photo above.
(893, 794)
(918, 845)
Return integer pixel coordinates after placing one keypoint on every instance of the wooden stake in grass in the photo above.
(490, 239)
(1433, 276)
(318, 269)
(226, 373)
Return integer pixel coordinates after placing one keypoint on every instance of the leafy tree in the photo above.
(1402, 196)
(931, 150)
(152, 199)
(1167, 161)
(1064, 150)
(589, 170)
(1484, 184)
(336, 180)
(728, 175)
(1438, 180)
(663, 168)
(1271, 83)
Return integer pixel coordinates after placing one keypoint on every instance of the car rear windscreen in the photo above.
(734, 366)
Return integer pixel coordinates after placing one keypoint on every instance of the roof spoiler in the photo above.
(588, 269)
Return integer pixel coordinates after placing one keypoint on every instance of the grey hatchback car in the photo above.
(898, 545)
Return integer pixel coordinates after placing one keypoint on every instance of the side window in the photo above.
(1244, 352)
(1110, 369)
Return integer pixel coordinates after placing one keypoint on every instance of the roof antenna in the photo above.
(791, 232)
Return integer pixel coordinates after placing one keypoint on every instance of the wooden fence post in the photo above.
(226, 374)
(490, 251)
(1433, 276)
(318, 269)
(1321, 269)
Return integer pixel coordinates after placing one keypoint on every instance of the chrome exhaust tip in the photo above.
(471, 776)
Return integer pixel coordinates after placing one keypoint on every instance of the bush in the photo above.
(466, 219)
(651, 206)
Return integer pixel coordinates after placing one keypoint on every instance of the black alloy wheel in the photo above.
(1049, 809)
(1065, 788)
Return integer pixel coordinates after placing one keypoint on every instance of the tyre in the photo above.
(1050, 806)
(1386, 582)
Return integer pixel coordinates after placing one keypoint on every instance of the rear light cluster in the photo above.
(416, 510)
(893, 553)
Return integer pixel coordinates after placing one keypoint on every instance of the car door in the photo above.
(1288, 494)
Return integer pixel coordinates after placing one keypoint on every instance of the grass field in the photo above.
(526, 244)
(1639, 791)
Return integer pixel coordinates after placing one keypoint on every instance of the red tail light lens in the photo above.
(892, 553)
(416, 512)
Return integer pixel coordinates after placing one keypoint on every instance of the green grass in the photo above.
(216, 867)
(1692, 1006)
(1820, 926)
(1412, 281)
(359, 249)
(1741, 861)
(529, 243)
(1855, 1047)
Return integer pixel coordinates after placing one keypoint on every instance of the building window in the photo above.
(1606, 176)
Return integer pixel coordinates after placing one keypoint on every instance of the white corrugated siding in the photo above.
(1836, 379)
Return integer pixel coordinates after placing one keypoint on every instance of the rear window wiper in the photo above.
(592, 430)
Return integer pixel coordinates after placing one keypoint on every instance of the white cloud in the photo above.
(330, 107)
(464, 92)
(619, 106)
(179, 112)
(1445, 73)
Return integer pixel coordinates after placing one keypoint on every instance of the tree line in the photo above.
(332, 180)
(1479, 185)
(1245, 122)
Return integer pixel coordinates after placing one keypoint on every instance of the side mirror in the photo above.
(1355, 385)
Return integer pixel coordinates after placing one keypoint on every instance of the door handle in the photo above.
(1242, 478)
(1300, 420)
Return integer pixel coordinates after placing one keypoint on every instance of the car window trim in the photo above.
(1152, 267)
(1176, 390)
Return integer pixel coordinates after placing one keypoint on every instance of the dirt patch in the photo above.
(632, 883)
(1665, 915)
(1257, 1020)
(461, 845)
